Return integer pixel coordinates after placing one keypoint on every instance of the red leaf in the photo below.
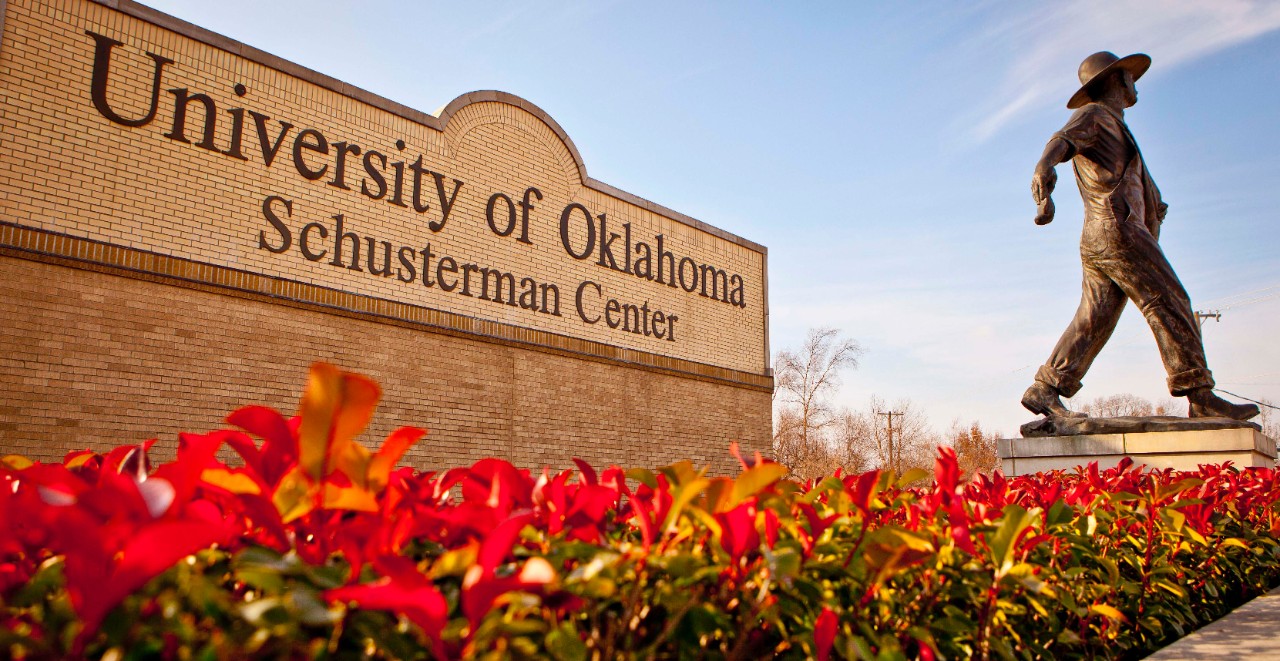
(200, 449)
(643, 516)
(58, 486)
(244, 446)
(771, 527)
(863, 489)
(946, 470)
(263, 422)
(588, 473)
(261, 513)
(737, 454)
(480, 590)
(739, 535)
(497, 545)
(419, 601)
(280, 445)
(591, 502)
(824, 633)
(112, 460)
(151, 551)
(586, 514)
(497, 484)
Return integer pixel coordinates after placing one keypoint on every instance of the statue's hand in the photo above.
(1042, 183)
(1044, 211)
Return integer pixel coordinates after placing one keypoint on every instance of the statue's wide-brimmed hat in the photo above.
(1098, 66)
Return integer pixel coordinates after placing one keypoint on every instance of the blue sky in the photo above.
(882, 152)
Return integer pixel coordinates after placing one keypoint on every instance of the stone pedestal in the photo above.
(1180, 450)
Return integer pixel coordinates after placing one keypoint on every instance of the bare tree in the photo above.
(822, 455)
(912, 443)
(802, 459)
(854, 440)
(1115, 406)
(1269, 421)
(1172, 407)
(804, 380)
(975, 449)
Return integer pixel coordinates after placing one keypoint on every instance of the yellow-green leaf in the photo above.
(17, 461)
(455, 562)
(295, 495)
(349, 498)
(352, 460)
(1108, 612)
(389, 454)
(1175, 518)
(709, 521)
(717, 494)
(643, 476)
(912, 476)
(680, 496)
(1178, 487)
(233, 482)
(1171, 588)
(753, 481)
(76, 461)
(1002, 544)
(336, 406)
(681, 472)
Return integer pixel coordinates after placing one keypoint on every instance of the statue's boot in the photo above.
(1205, 404)
(1043, 399)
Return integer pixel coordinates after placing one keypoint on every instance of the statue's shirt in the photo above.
(1109, 169)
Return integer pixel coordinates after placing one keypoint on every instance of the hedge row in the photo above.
(311, 546)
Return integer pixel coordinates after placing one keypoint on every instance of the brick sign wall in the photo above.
(186, 223)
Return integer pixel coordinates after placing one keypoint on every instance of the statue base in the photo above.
(1243, 446)
(1127, 425)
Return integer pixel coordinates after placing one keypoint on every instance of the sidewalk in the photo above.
(1251, 631)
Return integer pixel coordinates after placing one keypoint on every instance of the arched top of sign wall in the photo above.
(464, 112)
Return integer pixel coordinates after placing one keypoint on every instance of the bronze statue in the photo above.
(1118, 248)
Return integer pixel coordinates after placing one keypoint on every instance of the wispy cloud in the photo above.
(1053, 38)
(496, 26)
(513, 23)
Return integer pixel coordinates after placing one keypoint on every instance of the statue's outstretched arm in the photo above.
(1044, 178)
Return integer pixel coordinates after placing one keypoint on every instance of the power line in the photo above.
(1226, 392)
(1233, 300)
(1251, 301)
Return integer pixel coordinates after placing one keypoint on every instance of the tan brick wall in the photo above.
(66, 168)
(96, 360)
(137, 299)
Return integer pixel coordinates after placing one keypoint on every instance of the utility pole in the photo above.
(1211, 314)
(894, 464)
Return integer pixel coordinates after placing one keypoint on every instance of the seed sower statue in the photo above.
(1118, 248)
